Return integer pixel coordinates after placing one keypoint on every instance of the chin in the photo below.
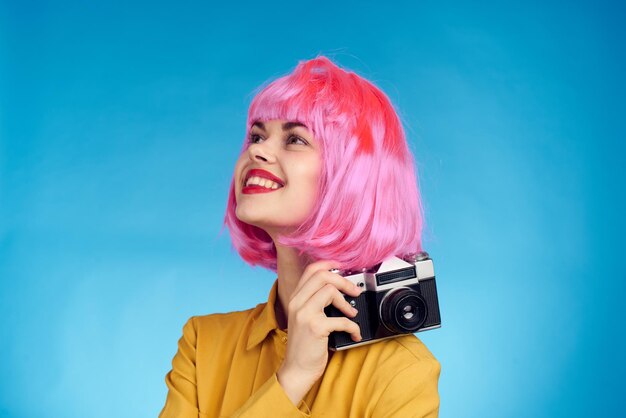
(254, 218)
(271, 227)
(247, 218)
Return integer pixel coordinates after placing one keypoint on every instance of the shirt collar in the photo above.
(265, 321)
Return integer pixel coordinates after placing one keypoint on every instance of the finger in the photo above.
(312, 268)
(317, 282)
(328, 295)
(345, 325)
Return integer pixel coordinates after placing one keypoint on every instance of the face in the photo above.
(287, 153)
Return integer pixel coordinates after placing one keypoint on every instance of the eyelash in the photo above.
(253, 137)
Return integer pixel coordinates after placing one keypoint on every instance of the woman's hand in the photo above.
(309, 327)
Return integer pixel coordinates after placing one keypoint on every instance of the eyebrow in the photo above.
(286, 125)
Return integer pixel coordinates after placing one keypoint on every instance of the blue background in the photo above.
(120, 125)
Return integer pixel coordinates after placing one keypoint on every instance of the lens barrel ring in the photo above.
(402, 310)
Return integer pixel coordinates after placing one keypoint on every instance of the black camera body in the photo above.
(400, 297)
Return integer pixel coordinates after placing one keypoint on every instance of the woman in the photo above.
(325, 180)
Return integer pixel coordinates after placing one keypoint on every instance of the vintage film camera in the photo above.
(400, 297)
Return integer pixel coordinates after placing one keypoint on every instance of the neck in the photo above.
(290, 266)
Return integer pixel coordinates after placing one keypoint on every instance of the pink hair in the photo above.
(370, 206)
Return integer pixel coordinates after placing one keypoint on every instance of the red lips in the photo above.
(264, 174)
(255, 188)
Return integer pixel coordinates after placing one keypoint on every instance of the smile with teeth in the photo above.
(260, 181)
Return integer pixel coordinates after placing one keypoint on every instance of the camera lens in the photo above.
(403, 310)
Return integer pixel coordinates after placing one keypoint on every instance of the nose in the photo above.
(262, 152)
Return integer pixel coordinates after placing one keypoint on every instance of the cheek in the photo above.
(310, 179)
(237, 171)
(315, 173)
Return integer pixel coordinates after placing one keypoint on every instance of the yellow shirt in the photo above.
(226, 366)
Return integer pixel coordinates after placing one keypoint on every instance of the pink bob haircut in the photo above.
(369, 207)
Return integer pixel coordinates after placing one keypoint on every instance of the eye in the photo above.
(292, 139)
(295, 138)
(252, 139)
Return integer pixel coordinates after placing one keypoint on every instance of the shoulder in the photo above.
(407, 379)
(419, 359)
(397, 374)
(406, 353)
(217, 325)
(411, 347)
(225, 319)
(406, 348)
